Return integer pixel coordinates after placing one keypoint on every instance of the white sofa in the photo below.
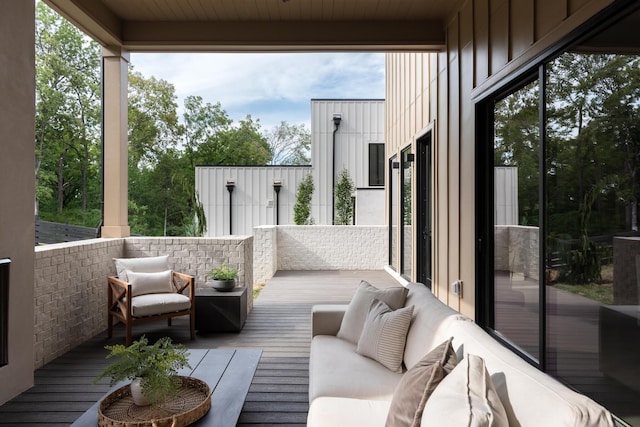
(348, 389)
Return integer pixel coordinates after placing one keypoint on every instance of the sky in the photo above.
(272, 87)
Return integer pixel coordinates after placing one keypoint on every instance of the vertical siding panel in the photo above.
(522, 26)
(498, 34)
(481, 40)
(576, 5)
(442, 193)
(548, 15)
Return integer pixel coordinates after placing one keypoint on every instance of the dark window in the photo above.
(406, 192)
(4, 311)
(376, 165)
(394, 167)
(559, 167)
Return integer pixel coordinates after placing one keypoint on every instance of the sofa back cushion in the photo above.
(530, 397)
(429, 324)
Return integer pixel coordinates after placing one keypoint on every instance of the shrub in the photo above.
(302, 208)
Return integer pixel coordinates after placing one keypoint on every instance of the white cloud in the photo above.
(242, 82)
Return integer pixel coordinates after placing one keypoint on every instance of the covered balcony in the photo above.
(452, 69)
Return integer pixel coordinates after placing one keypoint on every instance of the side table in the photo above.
(221, 311)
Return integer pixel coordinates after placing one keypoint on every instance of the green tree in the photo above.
(153, 118)
(343, 194)
(67, 117)
(235, 145)
(302, 207)
(290, 144)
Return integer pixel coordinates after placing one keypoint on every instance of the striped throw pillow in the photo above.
(384, 335)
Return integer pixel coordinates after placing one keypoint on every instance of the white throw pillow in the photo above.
(466, 397)
(153, 264)
(384, 335)
(150, 283)
(358, 309)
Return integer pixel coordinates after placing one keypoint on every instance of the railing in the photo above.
(53, 232)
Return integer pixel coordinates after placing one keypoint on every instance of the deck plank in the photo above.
(279, 325)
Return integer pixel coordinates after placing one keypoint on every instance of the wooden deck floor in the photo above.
(279, 325)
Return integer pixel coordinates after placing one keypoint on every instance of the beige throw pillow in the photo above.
(466, 397)
(150, 283)
(153, 264)
(417, 385)
(358, 309)
(384, 335)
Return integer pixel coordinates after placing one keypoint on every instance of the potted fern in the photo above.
(223, 278)
(152, 369)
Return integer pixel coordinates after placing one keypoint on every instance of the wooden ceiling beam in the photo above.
(284, 36)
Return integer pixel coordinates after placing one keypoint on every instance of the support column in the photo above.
(115, 63)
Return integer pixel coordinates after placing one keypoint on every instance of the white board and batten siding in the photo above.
(253, 199)
(363, 123)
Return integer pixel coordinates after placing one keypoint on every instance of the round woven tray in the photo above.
(192, 403)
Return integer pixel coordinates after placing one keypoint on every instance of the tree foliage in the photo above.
(290, 144)
(302, 207)
(591, 154)
(343, 195)
(67, 120)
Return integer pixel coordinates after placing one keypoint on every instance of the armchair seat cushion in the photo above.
(153, 304)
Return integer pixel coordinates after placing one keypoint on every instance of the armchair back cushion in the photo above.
(150, 283)
(154, 264)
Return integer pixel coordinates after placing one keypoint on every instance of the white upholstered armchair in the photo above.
(146, 289)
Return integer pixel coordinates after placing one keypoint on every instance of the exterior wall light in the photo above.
(337, 118)
(277, 185)
(230, 186)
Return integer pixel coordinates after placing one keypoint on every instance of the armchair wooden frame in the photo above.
(119, 304)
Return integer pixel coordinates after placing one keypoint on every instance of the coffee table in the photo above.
(228, 372)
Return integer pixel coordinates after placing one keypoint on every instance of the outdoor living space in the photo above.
(279, 325)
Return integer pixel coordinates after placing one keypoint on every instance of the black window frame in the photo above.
(376, 164)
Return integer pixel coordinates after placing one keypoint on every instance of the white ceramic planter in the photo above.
(136, 393)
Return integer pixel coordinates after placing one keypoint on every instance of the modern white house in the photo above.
(345, 134)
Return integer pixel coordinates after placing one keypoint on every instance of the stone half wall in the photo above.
(71, 294)
(318, 247)
(196, 256)
(71, 281)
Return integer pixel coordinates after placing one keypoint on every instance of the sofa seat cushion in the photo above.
(346, 412)
(530, 397)
(335, 369)
(152, 304)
